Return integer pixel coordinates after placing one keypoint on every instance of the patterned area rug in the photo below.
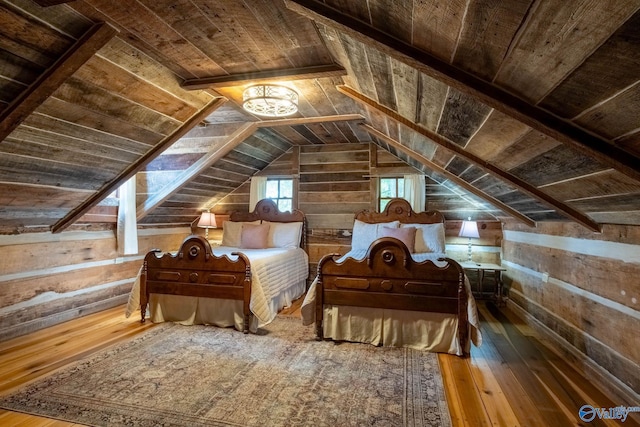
(177, 375)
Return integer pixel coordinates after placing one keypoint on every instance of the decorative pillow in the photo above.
(231, 231)
(364, 233)
(429, 237)
(406, 235)
(254, 236)
(284, 234)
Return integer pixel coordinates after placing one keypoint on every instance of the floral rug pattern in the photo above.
(176, 375)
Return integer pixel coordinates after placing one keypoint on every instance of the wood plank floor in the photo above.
(511, 380)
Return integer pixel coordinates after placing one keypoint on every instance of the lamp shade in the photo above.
(207, 220)
(469, 229)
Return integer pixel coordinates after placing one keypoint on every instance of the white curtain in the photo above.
(258, 191)
(414, 191)
(127, 226)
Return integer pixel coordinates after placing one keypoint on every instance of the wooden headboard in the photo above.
(267, 210)
(400, 210)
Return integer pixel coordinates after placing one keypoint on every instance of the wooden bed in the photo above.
(196, 271)
(387, 277)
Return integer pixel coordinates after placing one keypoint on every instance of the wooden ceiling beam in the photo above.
(487, 166)
(537, 118)
(47, 3)
(313, 72)
(450, 176)
(126, 174)
(48, 82)
(295, 121)
(204, 163)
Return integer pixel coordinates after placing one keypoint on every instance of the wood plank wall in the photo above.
(48, 278)
(337, 180)
(581, 289)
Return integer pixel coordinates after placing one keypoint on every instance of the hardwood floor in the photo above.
(511, 380)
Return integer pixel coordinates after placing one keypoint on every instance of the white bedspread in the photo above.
(278, 276)
(396, 328)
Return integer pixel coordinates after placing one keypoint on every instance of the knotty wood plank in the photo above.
(54, 77)
(459, 181)
(91, 97)
(489, 27)
(567, 400)
(615, 117)
(97, 120)
(599, 184)
(469, 84)
(555, 165)
(311, 72)
(51, 126)
(436, 26)
(511, 179)
(156, 37)
(110, 77)
(143, 66)
(534, 387)
(596, 79)
(457, 376)
(555, 39)
(135, 167)
(497, 133)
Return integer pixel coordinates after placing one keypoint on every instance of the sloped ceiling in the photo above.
(530, 107)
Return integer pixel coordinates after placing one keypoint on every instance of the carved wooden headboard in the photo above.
(400, 210)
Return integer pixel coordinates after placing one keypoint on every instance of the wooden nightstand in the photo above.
(481, 268)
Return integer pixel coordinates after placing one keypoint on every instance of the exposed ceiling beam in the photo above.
(450, 176)
(49, 81)
(195, 169)
(82, 209)
(487, 166)
(47, 3)
(295, 121)
(313, 72)
(537, 118)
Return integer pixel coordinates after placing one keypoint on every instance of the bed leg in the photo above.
(246, 324)
(143, 312)
(319, 334)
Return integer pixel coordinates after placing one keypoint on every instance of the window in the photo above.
(389, 189)
(280, 190)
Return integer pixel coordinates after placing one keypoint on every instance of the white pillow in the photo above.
(364, 233)
(284, 234)
(429, 237)
(232, 232)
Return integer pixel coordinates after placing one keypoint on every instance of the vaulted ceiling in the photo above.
(530, 107)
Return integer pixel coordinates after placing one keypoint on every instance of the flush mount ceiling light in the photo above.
(270, 100)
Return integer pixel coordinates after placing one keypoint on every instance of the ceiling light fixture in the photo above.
(270, 100)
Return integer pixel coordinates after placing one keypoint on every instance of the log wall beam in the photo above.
(49, 81)
(314, 72)
(125, 175)
(537, 118)
(488, 167)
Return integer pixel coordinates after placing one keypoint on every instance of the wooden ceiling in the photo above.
(530, 108)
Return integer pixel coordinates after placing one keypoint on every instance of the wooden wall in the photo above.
(582, 289)
(48, 278)
(337, 180)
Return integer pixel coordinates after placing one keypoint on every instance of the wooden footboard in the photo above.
(195, 271)
(389, 278)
